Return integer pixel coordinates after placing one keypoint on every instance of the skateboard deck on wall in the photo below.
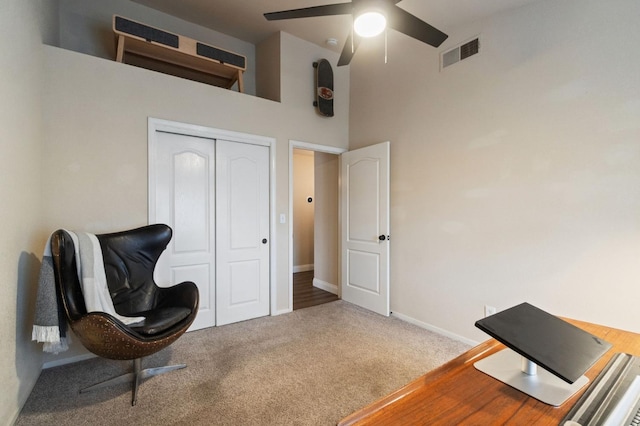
(324, 88)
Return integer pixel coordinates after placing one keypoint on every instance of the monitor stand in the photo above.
(522, 374)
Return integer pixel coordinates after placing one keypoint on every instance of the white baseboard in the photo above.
(303, 268)
(70, 360)
(435, 329)
(282, 311)
(323, 285)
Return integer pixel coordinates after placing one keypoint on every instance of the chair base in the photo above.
(136, 377)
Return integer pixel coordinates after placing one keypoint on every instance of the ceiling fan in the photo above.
(370, 18)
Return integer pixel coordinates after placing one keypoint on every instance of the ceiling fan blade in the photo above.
(308, 12)
(401, 20)
(349, 49)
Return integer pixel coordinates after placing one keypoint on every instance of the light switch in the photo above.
(283, 218)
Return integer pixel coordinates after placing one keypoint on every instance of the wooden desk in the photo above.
(456, 393)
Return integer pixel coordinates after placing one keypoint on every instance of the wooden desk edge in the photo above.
(472, 355)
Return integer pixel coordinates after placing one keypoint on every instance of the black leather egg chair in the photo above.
(129, 260)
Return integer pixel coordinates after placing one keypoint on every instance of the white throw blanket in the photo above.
(96, 294)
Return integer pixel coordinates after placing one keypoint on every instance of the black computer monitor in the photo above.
(536, 338)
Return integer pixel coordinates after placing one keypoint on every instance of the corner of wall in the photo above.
(268, 68)
(27, 23)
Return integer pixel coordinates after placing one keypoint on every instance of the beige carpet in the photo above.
(313, 366)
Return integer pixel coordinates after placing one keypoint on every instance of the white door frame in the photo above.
(156, 124)
(293, 144)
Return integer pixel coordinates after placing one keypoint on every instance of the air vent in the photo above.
(460, 52)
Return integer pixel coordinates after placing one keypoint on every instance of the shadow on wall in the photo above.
(28, 353)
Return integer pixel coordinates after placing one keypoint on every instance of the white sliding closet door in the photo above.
(184, 196)
(215, 196)
(242, 227)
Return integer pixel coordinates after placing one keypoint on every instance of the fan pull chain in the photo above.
(352, 49)
(386, 31)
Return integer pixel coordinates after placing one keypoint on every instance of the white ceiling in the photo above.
(243, 19)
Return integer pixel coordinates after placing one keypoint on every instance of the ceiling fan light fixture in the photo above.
(360, 10)
(370, 23)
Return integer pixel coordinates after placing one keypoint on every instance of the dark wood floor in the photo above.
(305, 294)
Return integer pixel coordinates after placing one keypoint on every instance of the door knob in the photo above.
(382, 238)
(264, 241)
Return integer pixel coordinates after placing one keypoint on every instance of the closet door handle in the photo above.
(264, 241)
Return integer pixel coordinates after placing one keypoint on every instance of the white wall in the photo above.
(296, 70)
(96, 114)
(86, 26)
(24, 24)
(515, 174)
(303, 211)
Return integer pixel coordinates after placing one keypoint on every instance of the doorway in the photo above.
(314, 225)
(364, 234)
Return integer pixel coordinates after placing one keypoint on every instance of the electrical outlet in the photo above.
(489, 310)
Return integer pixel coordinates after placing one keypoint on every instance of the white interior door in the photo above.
(365, 227)
(242, 224)
(182, 197)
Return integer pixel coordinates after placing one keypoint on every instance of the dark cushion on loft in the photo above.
(146, 32)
